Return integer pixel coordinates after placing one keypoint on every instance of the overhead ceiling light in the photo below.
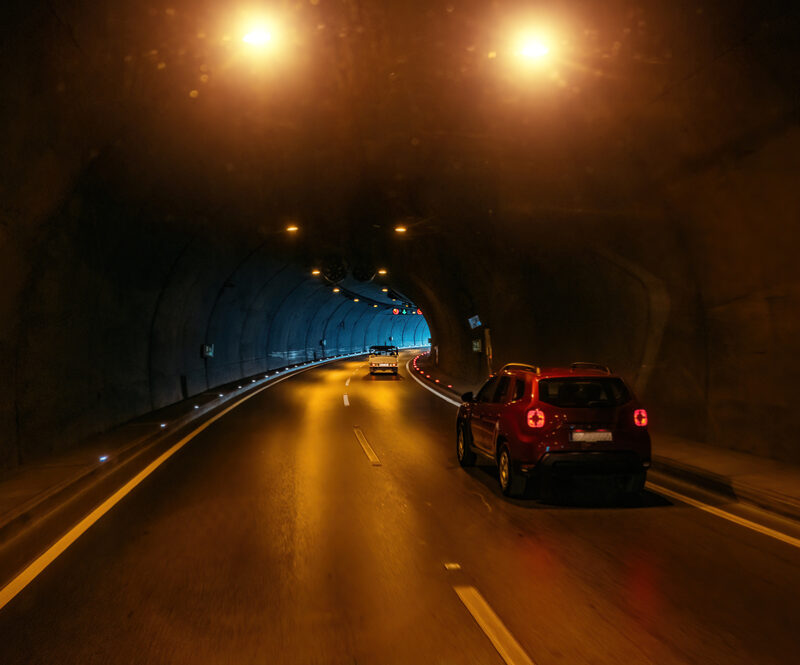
(400, 229)
(292, 228)
(533, 48)
(258, 36)
(385, 290)
(316, 271)
(336, 289)
(382, 271)
(355, 299)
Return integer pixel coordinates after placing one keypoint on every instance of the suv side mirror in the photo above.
(467, 397)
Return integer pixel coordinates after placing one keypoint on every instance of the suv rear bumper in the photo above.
(623, 469)
(571, 464)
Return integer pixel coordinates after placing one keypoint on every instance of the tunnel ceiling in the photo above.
(629, 198)
(369, 113)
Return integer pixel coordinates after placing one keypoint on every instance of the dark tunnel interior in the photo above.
(635, 203)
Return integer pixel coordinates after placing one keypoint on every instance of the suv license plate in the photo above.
(591, 436)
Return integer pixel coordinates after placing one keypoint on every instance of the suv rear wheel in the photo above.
(512, 483)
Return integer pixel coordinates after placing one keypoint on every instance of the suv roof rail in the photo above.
(532, 368)
(595, 366)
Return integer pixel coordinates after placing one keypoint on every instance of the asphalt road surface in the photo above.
(281, 534)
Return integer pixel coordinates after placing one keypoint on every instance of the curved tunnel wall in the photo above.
(115, 317)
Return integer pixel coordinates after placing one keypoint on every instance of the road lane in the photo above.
(272, 538)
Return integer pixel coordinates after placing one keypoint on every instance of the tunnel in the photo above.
(210, 211)
(635, 206)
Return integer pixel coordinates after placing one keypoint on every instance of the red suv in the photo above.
(555, 424)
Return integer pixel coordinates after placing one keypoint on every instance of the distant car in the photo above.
(383, 359)
(554, 425)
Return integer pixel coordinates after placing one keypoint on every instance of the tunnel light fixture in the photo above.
(374, 305)
(400, 229)
(385, 290)
(355, 299)
(220, 395)
(315, 272)
(252, 380)
(382, 271)
(336, 289)
(163, 425)
(103, 458)
(292, 228)
(196, 406)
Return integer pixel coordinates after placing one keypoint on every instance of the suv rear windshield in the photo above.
(383, 350)
(583, 392)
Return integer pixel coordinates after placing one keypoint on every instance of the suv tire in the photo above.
(466, 457)
(511, 483)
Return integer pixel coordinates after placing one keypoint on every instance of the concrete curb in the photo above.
(737, 490)
(16, 520)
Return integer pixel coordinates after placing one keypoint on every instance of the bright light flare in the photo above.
(533, 48)
(259, 37)
(292, 228)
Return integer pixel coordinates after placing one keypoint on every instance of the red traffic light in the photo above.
(395, 311)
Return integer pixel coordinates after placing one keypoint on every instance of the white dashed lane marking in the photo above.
(508, 648)
(368, 451)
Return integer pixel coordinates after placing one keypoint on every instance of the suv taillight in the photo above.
(535, 418)
(640, 418)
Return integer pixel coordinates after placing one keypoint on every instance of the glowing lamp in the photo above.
(534, 49)
(258, 36)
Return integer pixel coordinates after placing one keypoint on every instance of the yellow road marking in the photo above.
(8, 592)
